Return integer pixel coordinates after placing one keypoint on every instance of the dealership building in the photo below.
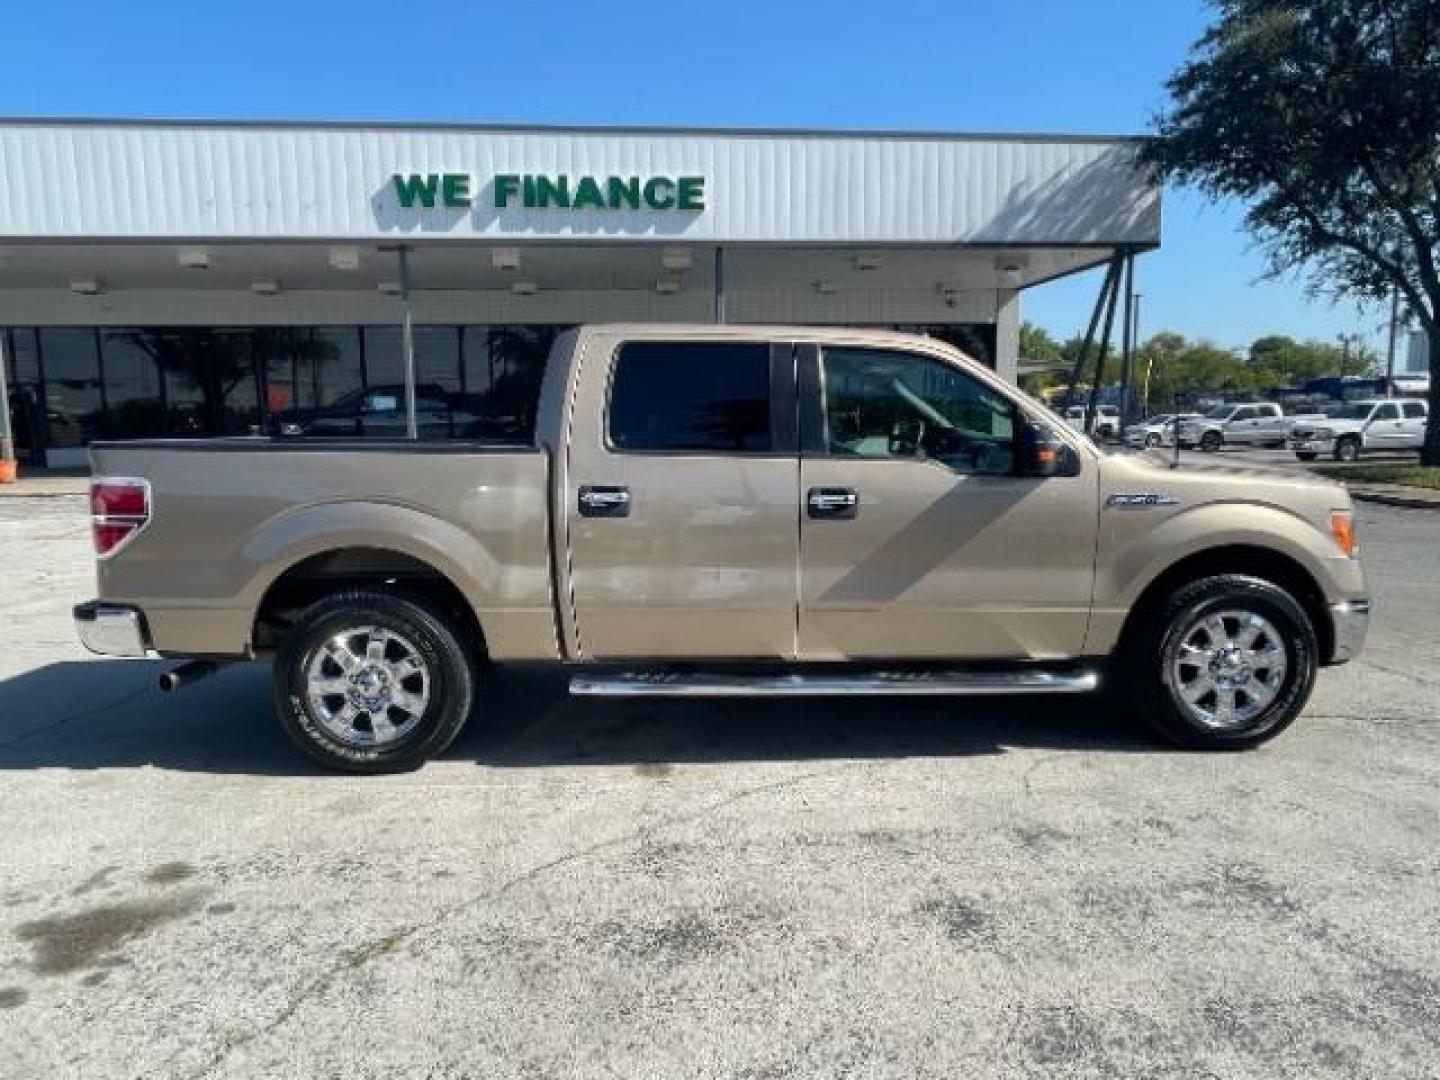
(190, 279)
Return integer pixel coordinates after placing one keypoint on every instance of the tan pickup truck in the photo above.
(728, 510)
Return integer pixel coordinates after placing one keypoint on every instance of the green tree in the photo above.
(1324, 117)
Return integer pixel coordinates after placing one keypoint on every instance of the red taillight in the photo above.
(118, 510)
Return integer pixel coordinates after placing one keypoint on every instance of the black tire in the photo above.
(1211, 441)
(1152, 441)
(446, 678)
(1306, 455)
(1347, 449)
(1153, 643)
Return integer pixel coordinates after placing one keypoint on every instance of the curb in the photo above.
(1385, 498)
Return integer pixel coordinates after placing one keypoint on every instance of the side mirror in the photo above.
(1040, 452)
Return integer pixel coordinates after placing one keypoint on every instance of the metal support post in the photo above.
(1076, 372)
(719, 285)
(7, 437)
(1100, 358)
(1127, 343)
(407, 343)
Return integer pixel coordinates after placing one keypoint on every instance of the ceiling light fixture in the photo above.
(505, 258)
(265, 286)
(345, 258)
(388, 288)
(667, 286)
(868, 262)
(86, 286)
(673, 258)
(193, 258)
(524, 288)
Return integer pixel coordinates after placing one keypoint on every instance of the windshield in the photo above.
(1219, 414)
(1349, 412)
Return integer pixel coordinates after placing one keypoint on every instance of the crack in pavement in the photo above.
(119, 702)
(386, 943)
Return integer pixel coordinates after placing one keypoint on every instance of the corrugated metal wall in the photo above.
(177, 181)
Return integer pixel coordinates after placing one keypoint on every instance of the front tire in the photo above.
(1152, 441)
(1211, 441)
(1305, 455)
(1224, 663)
(1348, 449)
(372, 682)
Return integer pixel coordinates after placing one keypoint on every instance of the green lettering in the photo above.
(412, 187)
(691, 193)
(530, 191)
(587, 193)
(506, 186)
(626, 190)
(660, 193)
(552, 191)
(455, 189)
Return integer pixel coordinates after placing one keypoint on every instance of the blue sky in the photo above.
(1041, 65)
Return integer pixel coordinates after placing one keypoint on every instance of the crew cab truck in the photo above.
(1261, 423)
(727, 510)
(1360, 426)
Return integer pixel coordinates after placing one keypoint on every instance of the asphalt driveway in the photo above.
(897, 889)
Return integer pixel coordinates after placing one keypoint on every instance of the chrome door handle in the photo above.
(604, 501)
(830, 502)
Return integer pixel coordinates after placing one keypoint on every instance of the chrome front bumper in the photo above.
(111, 629)
(1350, 621)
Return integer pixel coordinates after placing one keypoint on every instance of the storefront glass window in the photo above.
(132, 386)
(74, 404)
(22, 366)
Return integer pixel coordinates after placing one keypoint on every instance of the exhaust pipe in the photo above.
(192, 671)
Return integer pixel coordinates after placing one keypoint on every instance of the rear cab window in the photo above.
(677, 397)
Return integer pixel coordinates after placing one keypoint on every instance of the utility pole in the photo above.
(1390, 345)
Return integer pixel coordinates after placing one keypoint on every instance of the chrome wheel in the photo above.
(368, 686)
(1228, 668)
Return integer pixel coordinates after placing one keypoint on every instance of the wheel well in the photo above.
(321, 575)
(1263, 563)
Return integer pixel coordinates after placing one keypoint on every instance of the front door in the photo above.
(683, 500)
(1413, 426)
(922, 536)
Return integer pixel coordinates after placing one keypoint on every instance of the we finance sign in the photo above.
(542, 191)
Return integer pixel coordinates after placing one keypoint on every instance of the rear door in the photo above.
(1270, 424)
(682, 499)
(922, 538)
(1241, 428)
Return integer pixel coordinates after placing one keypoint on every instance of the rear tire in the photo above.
(1211, 441)
(1223, 663)
(373, 682)
(1305, 455)
(1152, 441)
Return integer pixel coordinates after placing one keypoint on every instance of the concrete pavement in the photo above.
(876, 889)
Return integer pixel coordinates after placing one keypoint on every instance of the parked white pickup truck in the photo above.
(1260, 423)
(1349, 430)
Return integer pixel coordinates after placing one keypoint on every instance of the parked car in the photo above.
(1350, 430)
(1107, 420)
(379, 412)
(722, 511)
(1252, 424)
(1157, 431)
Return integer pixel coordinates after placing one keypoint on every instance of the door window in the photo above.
(1243, 414)
(883, 404)
(1414, 410)
(1387, 412)
(691, 398)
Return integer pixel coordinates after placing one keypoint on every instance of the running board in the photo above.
(875, 683)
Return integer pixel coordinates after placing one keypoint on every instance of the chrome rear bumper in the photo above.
(1350, 621)
(111, 629)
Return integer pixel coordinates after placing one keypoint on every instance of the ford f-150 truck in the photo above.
(1359, 426)
(727, 510)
